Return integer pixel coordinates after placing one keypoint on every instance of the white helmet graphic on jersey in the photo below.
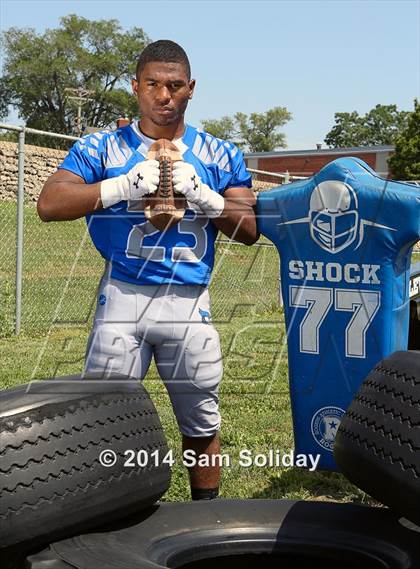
(333, 215)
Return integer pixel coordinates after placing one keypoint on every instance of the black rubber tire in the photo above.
(52, 484)
(243, 534)
(378, 442)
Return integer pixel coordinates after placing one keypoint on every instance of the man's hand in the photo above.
(186, 181)
(141, 180)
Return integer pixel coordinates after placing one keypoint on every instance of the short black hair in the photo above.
(163, 50)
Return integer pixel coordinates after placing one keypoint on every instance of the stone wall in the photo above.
(40, 162)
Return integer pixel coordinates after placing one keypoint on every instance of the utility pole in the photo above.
(80, 96)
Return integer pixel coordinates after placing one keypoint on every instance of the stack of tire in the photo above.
(57, 443)
(55, 492)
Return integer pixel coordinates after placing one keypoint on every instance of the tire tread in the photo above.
(378, 442)
(51, 478)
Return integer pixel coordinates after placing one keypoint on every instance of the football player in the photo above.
(153, 298)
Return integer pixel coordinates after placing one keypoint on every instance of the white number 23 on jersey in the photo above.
(187, 226)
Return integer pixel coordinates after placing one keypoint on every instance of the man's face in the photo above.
(163, 91)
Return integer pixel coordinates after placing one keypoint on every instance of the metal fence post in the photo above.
(19, 229)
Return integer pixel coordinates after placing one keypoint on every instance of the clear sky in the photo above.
(313, 57)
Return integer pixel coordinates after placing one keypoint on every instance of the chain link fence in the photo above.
(61, 268)
(7, 268)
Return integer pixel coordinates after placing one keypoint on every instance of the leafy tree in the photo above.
(8, 136)
(381, 125)
(223, 128)
(94, 55)
(256, 132)
(385, 123)
(405, 163)
(349, 130)
(259, 130)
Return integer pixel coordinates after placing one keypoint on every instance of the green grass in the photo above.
(58, 301)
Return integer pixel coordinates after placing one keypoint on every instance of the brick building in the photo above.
(308, 162)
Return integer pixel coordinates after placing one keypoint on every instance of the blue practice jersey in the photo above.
(345, 237)
(138, 252)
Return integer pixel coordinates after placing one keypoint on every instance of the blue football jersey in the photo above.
(345, 238)
(138, 252)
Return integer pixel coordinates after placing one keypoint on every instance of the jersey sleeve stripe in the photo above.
(93, 153)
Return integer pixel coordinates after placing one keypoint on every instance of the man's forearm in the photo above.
(65, 196)
(238, 222)
(64, 201)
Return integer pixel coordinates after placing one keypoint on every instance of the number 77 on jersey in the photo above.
(345, 238)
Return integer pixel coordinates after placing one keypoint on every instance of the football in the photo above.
(164, 208)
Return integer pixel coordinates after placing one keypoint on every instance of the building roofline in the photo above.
(322, 151)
